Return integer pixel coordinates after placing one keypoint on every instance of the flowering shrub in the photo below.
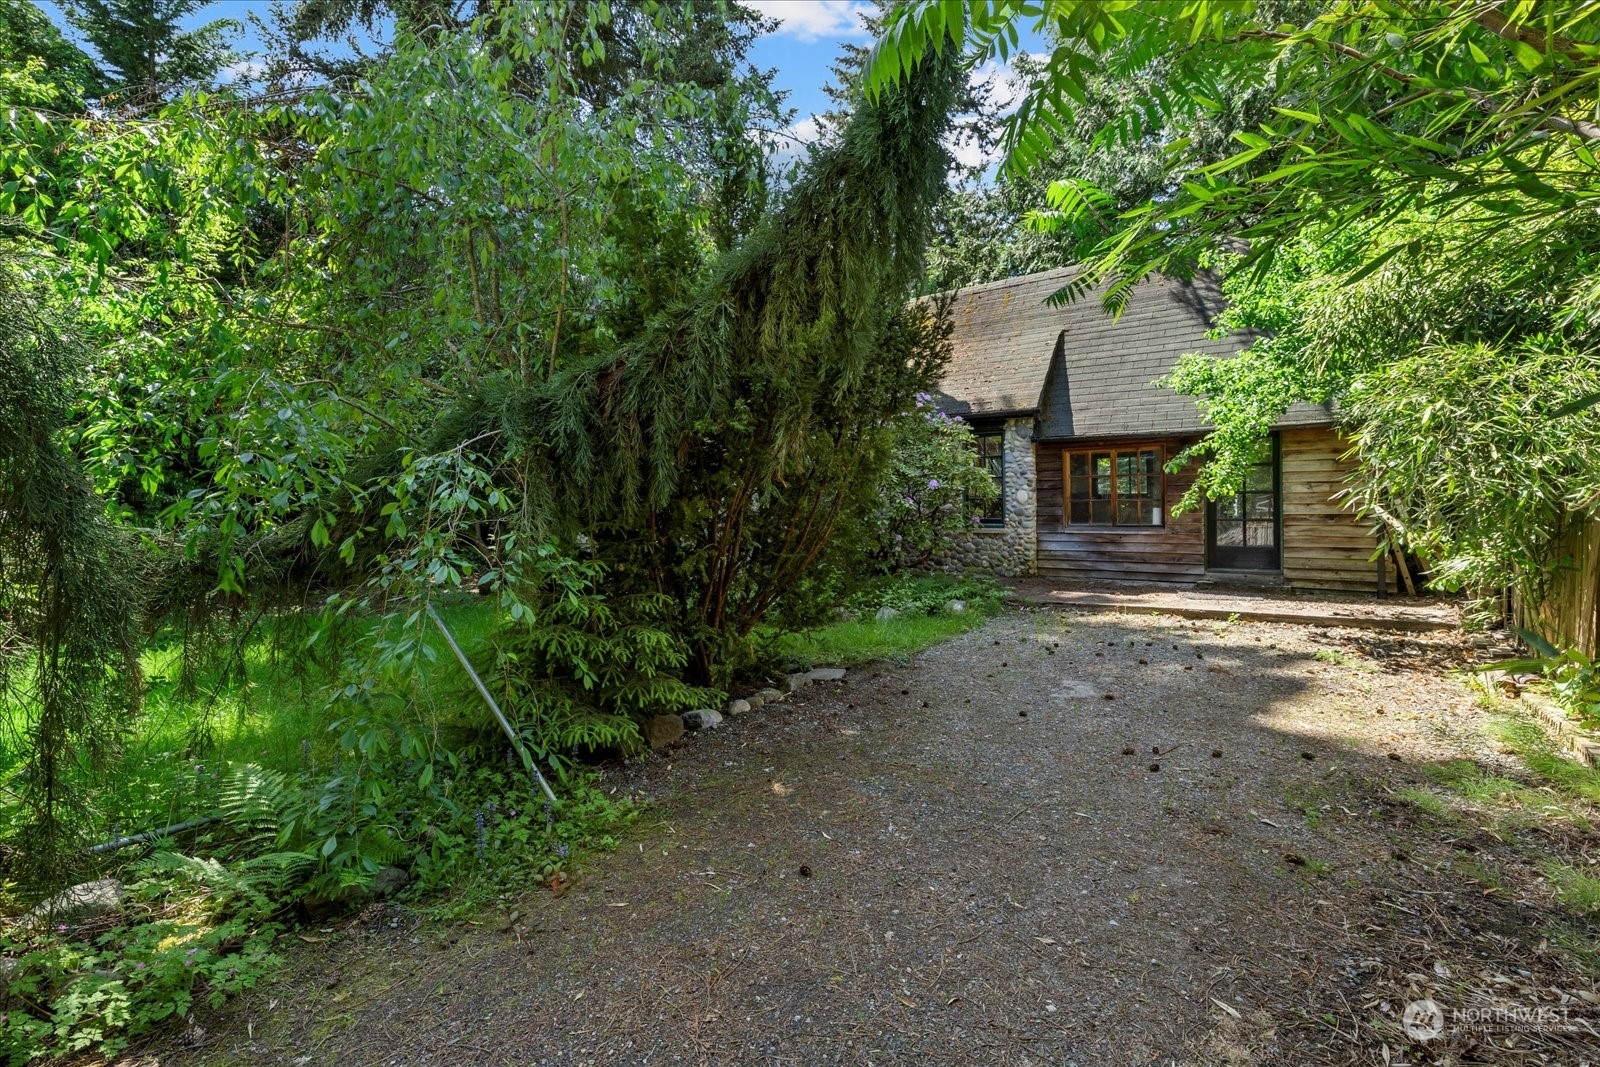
(932, 490)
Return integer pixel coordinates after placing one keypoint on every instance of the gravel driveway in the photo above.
(1060, 839)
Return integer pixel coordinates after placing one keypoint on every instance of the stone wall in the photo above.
(1007, 551)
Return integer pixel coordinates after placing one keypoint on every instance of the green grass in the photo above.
(278, 716)
(1467, 780)
(921, 623)
(1578, 891)
(860, 640)
(1484, 874)
(1338, 657)
(1574, 939)
(1557, 791)
(1425, 800)
(1540, 753)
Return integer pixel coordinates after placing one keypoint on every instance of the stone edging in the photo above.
(663, 730)
(1573, 739)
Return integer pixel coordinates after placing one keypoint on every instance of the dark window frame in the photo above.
(994, 517)
(1257, 557)
(1157, 500)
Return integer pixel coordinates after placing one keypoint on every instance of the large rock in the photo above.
(320, 906)
(826, 674)
(702, 719)
(663, 730)
(956, 607)
(388, 882)
(886, 613)
(737, 706)
(89, 900)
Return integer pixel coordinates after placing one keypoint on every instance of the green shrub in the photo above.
(204, 934)
(930, 491)
(1573, 678)
(580, 669)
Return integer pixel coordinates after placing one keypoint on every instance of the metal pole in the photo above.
(483, 691)
(151, 835)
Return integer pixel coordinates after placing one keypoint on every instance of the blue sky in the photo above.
(806, 41)
(800, 50)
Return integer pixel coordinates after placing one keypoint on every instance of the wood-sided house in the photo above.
(1069, 420)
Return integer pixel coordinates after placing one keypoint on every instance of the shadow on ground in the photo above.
(1060, 839)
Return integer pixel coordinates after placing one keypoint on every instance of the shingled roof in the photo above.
(1083, 373)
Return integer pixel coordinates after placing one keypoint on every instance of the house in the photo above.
(1069, 420)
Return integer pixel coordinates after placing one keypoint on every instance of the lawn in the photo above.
(921, 620)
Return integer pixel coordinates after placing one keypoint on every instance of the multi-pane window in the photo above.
(1115, 487)
(991, 457)
(1249, 518)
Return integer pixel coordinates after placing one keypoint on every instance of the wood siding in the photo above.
(1174, 552)
(1324, 545)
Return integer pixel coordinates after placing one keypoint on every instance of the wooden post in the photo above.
(1405, 571)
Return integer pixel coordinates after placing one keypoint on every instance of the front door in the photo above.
(1242, 530)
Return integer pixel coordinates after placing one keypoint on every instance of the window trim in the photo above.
(979, 432)
(1114, 451)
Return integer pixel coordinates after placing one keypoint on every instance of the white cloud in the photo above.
(968, 153)
(813, 20)
(791, 141)
(1003, 90)
(246, 70)
(1006, 87)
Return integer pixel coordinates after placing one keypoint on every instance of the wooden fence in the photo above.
(1569, 615)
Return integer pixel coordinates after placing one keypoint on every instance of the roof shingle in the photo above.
(1084, 373)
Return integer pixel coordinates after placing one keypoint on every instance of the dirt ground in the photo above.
(1062, 839)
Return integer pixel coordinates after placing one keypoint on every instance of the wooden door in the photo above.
(1244, 531)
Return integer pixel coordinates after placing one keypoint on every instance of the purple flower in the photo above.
(933, 483)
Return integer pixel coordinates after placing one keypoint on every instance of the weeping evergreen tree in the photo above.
(70, 595)
(709, 455)
(712, 456)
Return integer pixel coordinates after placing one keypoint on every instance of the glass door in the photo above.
(1242, 529)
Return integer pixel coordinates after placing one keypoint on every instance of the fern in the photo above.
(253, 799)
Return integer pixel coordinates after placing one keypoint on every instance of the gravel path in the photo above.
(1060, 839)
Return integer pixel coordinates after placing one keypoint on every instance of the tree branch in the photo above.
(1491, 19)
